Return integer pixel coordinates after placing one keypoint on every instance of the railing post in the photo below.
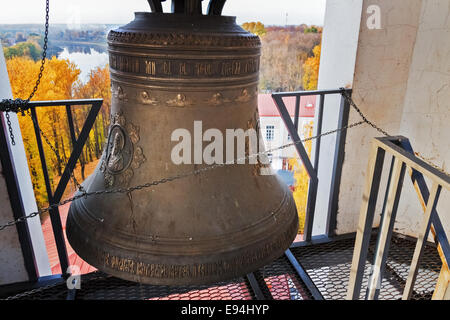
(386, 229)
(422, 238)
(15, 199)
(366, 216)
(297, 111)
(339, 154)
(312, 173)
(73, 137)
(54, 212)
(77, 143)
(318, 132)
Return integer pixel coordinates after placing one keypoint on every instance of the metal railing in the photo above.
(403, 157)
(77, 148)
(78, 143)
(312, 169)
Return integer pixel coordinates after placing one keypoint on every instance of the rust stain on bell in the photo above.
(167, 71)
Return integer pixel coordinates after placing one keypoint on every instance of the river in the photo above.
(86, 60)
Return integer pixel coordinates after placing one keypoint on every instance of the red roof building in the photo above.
(267, 107)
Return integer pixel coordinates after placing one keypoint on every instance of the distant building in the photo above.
(274, 131)
(20, 37)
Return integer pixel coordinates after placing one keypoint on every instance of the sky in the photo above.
(269, 12)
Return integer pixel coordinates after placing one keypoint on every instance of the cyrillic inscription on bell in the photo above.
(171, 72)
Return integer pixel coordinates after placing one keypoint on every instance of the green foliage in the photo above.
(312, 29)
(24, 49)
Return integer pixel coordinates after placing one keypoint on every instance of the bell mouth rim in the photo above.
(237, 262)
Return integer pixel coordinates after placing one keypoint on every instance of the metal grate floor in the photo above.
(327, 264)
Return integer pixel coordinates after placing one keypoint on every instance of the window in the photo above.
(270, 133)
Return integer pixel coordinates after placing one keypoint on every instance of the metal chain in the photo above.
(349, 99)
(199, 171)
(11, 133)
(173, 178)
(19, 105)
(22, 106)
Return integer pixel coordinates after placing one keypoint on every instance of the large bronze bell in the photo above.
(167, 71)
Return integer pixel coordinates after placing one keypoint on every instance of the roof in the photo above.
(74, 259)
(267, 107)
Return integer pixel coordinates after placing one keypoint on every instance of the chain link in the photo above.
(19, 105)
(11, 133)
(85, 194)
(22, 106)
(349, 99)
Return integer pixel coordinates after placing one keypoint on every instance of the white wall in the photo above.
(426, 111)
(401, 82)
(381, 75)
(26, 188)
(337, 65)
(281, 138)
(12, 267)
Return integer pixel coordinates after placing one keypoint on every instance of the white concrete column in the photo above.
(337, 66)
(26, 189)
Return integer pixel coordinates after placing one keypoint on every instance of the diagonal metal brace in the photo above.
(295, 137)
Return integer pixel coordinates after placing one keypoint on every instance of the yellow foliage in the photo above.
(255, 28)
(311, 70)
(301, 179)
(57, 80)
(56, 83)
(60, 81)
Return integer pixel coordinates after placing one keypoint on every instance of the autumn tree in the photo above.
(30, 49)
(311, 70)
(284, 52)
(98, 86)
(255, 28)
(57, 83)
(60, 81)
